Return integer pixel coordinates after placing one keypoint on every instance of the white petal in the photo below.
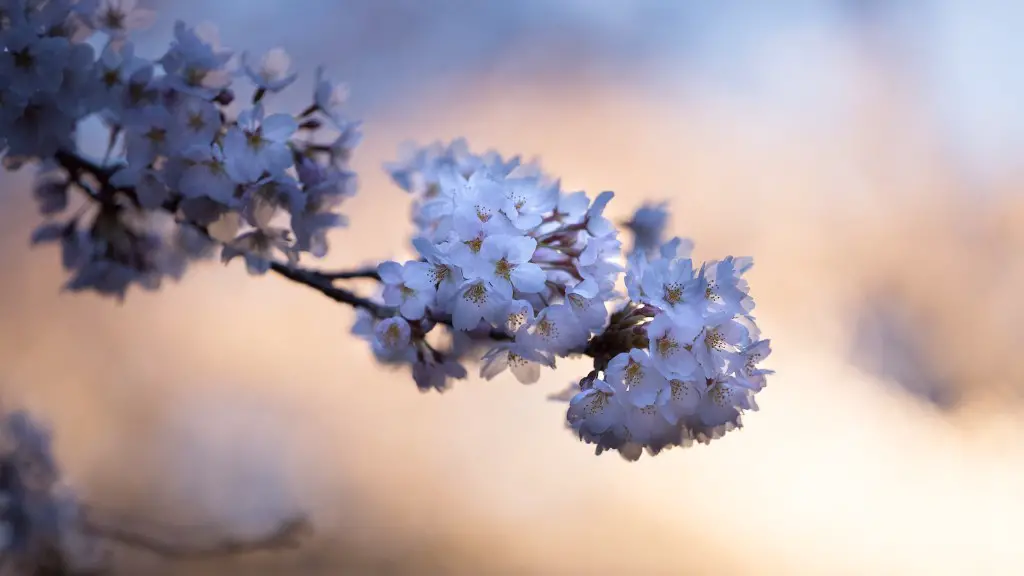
(390, 272)
(521, 249)
(279, 127)
(413, 308)
(526, 372)
(494, 364)
(529, 278)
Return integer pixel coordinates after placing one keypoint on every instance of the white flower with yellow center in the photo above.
(597, 410)
(505, 264)
(407, 287)
(670, 346)
(637, 373)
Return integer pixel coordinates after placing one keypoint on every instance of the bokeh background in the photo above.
(866, 153)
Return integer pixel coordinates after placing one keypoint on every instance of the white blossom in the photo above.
(409, 287)
(273, 73)
(648, 226)
(195, 64)
(30, 63)
(119, 17)
(258, 145)
(329, 96)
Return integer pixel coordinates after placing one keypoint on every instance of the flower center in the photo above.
(678, 389)
(711, 292)
(752, 361)
(475, 244)
(111, 78)
(194, 76)
(516, 320)
(439, 273)
(114, 19)
(255, 139)
(137, 93)
(23, 59)
(482, 213)
(476, 294)
(634, 372)
(673, 294)
(392, 336)
(196, 122)
(666, 345)
(503, 269)
(156, 135)
(719, 395)
(546, 328)
(598, 402)
(215, 166)
(713, 340)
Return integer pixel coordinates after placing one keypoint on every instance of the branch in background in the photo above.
(287, 536)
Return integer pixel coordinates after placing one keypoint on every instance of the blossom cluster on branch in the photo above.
(503, 250)
(512, 271)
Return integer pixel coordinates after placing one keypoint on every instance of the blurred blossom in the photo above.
(891, 343)
(40, 520)
(648, 227)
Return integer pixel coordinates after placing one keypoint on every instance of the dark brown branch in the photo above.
(80, 165)
(287, 536)
(322, 282)
(367, 273)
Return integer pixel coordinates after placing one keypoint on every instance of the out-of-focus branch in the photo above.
(286, 536)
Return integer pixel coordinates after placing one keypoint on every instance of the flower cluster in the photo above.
(511, 270)
(680, 361)
(505, 253)
(180, 175)
(40, 518)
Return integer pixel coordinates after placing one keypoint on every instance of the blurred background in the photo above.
(865, 153)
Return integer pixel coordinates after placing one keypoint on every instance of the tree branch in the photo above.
(285, 536)
(322, 282)
(77, 164)
(367, 273)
